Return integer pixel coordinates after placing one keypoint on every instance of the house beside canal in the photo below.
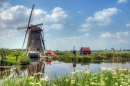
(85, 51)
(47, 52)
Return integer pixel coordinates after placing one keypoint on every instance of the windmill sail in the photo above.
(43, 43)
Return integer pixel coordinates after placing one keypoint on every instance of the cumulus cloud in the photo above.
(128, 25)
(57, 15)
(100, 18)
(13, 16)
(121, 1)
(19, 15)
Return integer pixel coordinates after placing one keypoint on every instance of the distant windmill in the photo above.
(74, 51)
(35, 39)
(113, 49)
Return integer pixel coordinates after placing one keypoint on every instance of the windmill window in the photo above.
(34, 49)
(38, 49)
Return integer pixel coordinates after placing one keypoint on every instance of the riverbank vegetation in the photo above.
(95, 56)
(17, 56)
(106, 77)
(13, 57)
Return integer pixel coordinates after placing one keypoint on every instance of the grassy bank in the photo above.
(10, 57)
(95, 56)
(105, 77)
(78, 59)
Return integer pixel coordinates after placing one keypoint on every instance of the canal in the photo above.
(57, 68)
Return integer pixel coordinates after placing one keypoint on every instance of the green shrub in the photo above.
(116, 54)
(123, 55)
(108, 55)
(24, 59)
(85, 58)
(97, 58)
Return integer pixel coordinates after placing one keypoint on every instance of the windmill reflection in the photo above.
(74, 66)
(36, 67)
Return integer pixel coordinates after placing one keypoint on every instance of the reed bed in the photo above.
(106, 77)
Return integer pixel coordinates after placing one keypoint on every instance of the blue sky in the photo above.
(98, 24)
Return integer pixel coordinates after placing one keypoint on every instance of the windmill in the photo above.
(74, 51)
(35, 36)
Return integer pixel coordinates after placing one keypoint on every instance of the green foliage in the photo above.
(14, 57)
(4, 52)
(97, 58)
(108, 55)
(24, 59)
(123, 55)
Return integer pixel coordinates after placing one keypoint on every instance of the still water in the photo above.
(60, 68)
(56, 68)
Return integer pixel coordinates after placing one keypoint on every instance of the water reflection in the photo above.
(36, 66)
(53, 68)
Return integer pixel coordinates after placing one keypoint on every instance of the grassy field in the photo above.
(106, 77)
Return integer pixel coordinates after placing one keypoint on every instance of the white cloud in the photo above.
(100, 18)
(121, 1)
(57, 15)
(14, 16)
(19, 15)
(116, 35)
(85, 27)
(103, 18)
(106, 35)
(128, 25)
(122, 34)
(119, 37)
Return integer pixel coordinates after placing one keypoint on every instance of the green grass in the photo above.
(78, 59)
(105, 77)
(22, 58)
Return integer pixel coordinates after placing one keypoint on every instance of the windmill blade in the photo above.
(42, 37)
(25, 38)
(21, 27)
(36, 25)
(30, 15)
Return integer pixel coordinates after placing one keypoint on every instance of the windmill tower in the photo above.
(35, 41)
